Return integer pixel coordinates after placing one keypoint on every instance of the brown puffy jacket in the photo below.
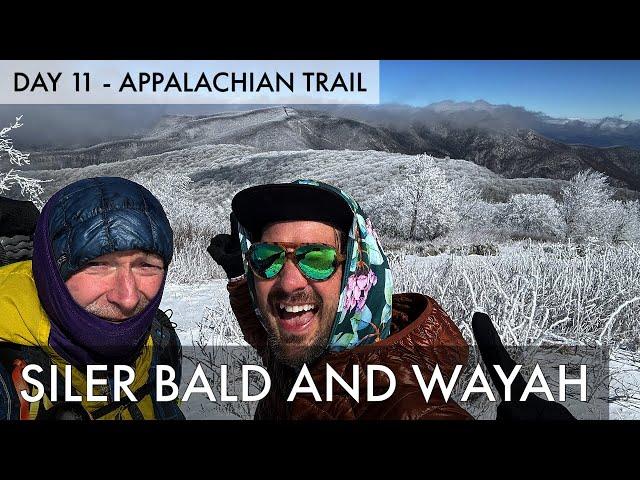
(421, 334)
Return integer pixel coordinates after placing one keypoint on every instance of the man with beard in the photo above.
(315, 288)
(90, 296)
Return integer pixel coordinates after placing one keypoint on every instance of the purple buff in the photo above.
(79, 337)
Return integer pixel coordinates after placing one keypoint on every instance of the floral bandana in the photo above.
(364, 310)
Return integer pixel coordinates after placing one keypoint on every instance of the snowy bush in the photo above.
(530, 216)
(536, 294)
(476, 224)
(219, 341)
(545, 297)
(193, 223)
(586, 206)
(625, 222)
(591, 214)
(422, 205)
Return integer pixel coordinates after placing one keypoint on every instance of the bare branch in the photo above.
(30, 188)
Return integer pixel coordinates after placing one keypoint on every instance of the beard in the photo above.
(112, 313)
(295, 350)
(303, 354)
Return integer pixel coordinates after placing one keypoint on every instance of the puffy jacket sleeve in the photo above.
(242, 306)
(445, 411)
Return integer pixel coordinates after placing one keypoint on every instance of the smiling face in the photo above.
(118, 285)
(299, 312)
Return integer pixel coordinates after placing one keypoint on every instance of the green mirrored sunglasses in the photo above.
(316, 261)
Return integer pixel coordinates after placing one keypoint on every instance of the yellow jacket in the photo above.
(24, 322)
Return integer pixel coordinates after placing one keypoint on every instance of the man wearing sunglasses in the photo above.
(310, 284)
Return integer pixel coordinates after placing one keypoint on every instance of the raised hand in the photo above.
(225, 250)
(493, 353)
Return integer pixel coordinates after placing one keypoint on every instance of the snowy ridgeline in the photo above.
(410, 198)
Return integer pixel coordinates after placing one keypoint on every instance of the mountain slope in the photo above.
(218, 171)
(508, 152)
(524, 153)
(279, 128)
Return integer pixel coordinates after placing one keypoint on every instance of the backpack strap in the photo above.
(15, 249)
(167, 350)
(20, 384)
(110, 407)
(9, 402)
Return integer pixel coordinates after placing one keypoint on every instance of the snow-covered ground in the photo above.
(189, 304)
(624, 388)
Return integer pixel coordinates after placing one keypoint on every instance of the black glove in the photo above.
(225, 250)
(494, 353)
(17, 217)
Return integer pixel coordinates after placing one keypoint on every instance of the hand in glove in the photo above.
(17, 217)
(494, 353)
(225, 250)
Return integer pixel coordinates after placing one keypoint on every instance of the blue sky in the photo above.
(560, 88)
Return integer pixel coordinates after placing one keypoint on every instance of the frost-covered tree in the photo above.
(587, 206)
(30, 188)
(423, 205)
(193, 222)
(476, 223)
(189, 218)
(531, 216)
(624, 219)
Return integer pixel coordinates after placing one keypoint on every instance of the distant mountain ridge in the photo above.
(74, 126)
(513, 153)
(524, 153)
(604, 132)
(279, 128)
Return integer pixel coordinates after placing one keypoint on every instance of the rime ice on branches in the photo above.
(30, 188)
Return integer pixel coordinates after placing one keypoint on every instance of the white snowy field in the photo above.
(624, 388)
(188, 304)
(202, 314)
(195, 309)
